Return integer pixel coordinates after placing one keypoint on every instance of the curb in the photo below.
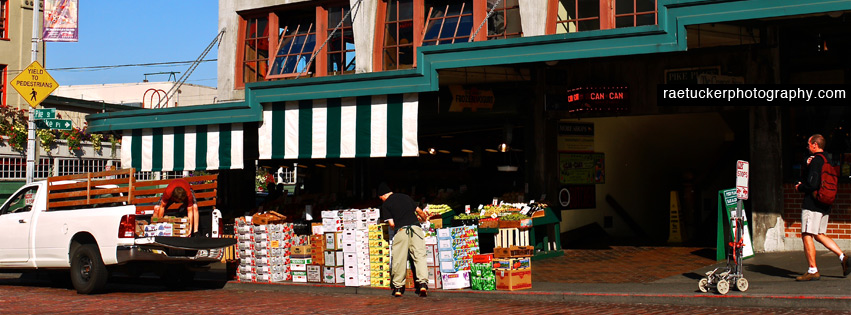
(842, 303)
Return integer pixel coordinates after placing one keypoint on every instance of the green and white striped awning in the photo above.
(189, 148)
(364, 126)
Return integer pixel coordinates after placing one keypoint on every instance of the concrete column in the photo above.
(363, 27)
(533, 17)
(766, 193)
(226, 66)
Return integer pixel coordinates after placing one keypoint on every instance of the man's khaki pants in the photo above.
(409, 240)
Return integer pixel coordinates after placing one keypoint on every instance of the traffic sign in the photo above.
(742, 174)
(34, 84)
(45, 113)
(56, 124)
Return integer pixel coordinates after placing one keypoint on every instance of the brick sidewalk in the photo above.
(619, 264)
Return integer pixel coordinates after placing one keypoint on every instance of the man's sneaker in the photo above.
(423, 292)
(845, 269)
(809, 277)
(397, 292)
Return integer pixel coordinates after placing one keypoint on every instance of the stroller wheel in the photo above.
(703, 285)
(742, 284)
(723, 287)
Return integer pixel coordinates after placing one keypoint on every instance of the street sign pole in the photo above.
(31, 132)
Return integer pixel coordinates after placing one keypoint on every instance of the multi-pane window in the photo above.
(448, 22)
(629, 13)
(577, 15)
(4, 19)
(341, 45)
(397, 51)
(297, 33)
(255, 49)
(505, 20)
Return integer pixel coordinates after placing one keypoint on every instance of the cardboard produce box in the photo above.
(512, 263)
(302, 250)
(314, 273)
(455, 280)
(333, 275)
(482, 277)
(510, 280)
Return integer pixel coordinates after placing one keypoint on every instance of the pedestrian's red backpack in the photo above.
(826, 192)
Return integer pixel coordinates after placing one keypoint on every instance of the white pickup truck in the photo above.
(87, 224)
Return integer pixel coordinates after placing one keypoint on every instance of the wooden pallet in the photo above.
(513, 252)
(98, 189)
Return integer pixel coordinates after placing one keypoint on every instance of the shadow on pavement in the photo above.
(116, 284)
(708, 253)
(693, 275)
(772, 271)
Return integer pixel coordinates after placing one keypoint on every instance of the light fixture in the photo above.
(432, 151)
(466, 150)
(302, 166)
(491, 150)
(321, 165)
(339, 165)
(503, 147)
(443, 151)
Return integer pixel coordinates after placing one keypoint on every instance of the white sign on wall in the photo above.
(742, 175)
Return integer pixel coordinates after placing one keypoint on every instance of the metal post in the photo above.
(31, 124)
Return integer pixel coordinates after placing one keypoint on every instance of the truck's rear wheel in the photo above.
(88, 273)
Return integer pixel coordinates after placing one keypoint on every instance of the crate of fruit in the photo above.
(489, 223)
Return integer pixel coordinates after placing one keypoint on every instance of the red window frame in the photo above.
(502, 10)
(4, 19)
(438, 22)
(248, 26)
(335, 47)
(314, 30)
(622, 19)
(382, 25)
(3, 85)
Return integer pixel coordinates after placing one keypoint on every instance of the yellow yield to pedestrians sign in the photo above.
(34, 84)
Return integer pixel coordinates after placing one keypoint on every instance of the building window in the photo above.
(341, 45)
(4, 18)
(397, 34)
(3, 85)
(629, 13)
(505, 20)
(255, 49)
(574, 16)
(297, 33)
(448, 22)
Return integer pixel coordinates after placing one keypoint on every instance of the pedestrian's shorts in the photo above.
(813, 222)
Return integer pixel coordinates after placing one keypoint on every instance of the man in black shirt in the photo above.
(814, 214)
(403, 215)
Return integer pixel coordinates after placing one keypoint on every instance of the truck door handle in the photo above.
(22, 221)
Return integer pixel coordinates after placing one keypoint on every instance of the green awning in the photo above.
(364, 126)
(190, 148)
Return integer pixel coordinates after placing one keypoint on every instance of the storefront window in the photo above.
(448, 22)
(576, 15)
(255, 49)
(802, 122)
(505, 20)
(398, 48)
(629, 13)
(297, 33)
(341, 45)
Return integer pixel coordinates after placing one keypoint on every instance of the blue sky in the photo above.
(136, 32)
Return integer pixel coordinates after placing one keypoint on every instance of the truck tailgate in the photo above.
(190, 243)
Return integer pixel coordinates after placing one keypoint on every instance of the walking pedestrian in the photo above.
(403, 215)
(814, 213)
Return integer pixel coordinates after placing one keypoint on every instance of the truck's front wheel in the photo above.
(88, 273)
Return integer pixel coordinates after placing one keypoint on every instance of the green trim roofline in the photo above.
(668, 36)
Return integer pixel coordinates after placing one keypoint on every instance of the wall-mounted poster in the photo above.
(582, 168)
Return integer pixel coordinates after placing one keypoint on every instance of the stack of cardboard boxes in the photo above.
(356, 245)
(513, 273)
(165, 226)
(263, 251)
(300, 259)
(317, 258)
(456, 247)
(333, 271)
(379, 255)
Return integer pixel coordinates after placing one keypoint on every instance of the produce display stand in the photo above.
(544, 230)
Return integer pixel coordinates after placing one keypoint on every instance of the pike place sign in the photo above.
(34, 84)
